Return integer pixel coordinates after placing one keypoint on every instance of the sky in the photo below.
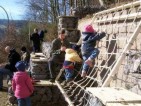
(14, 9)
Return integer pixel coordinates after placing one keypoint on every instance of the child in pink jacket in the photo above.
(22, 85)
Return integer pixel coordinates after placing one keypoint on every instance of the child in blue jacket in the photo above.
(88, 50)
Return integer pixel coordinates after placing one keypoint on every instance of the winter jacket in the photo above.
(41, 35)
(71, 56)
(35, 38)
(13, 58)
(89, 41)
(56, 45)
(26, 57)
(22, 85)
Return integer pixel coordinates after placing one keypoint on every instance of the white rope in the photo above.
(111, 49)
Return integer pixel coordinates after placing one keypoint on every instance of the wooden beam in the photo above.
(137, 3)
(123, 17)
(64, 94)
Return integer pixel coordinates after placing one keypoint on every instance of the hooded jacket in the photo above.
(71, 56)
(89, 41)
(13, 58)
(25, 57)
(35, 38)
(22, 85)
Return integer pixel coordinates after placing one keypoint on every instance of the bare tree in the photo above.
(48, 10)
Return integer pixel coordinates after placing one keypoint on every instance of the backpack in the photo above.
(11, 98)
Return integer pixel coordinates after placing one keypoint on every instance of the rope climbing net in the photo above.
(118, 51)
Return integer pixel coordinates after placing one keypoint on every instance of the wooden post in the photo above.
(75, 3)
(64, 94)
(101, 2)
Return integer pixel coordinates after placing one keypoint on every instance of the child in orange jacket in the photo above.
(71, 57)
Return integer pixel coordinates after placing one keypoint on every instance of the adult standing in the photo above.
(13, 58)
(57, 53)
(42, 35)
(36, 40)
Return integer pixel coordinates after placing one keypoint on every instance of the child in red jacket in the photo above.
(22, 85)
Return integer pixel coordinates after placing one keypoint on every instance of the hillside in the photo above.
(17, 23)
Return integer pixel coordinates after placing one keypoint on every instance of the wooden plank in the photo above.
(40, 60)
(44, 83)
(40, 83)
(40, 54)
(123, 104)
(37, 55)
(114, 95)
(70, 103)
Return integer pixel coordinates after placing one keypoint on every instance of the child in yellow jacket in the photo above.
(71, 57)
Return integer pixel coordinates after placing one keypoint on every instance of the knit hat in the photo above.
(23, 49)
(20, 66)
(88, 28)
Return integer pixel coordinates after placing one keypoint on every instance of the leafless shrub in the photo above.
(11, 38)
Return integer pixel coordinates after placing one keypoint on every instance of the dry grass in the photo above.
(11, 39)
(4, 95)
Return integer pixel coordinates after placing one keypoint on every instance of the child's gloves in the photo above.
(63, 48)
(76, 47)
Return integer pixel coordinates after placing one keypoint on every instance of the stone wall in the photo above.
(43, 95)
(46, 47)
(45, 92)
(82, 12)
(38, 67)
(69, 23)
(47, 96)
(121, 30)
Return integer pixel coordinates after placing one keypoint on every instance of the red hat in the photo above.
(88, 28)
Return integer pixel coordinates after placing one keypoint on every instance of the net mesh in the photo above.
(119, 54)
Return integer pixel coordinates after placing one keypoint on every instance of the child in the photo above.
(88, 50)
(71, 56)
(22, 85)
(25, 56)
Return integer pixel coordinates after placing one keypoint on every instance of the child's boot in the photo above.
(89, 62)
(66, 82)
(83, 74)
